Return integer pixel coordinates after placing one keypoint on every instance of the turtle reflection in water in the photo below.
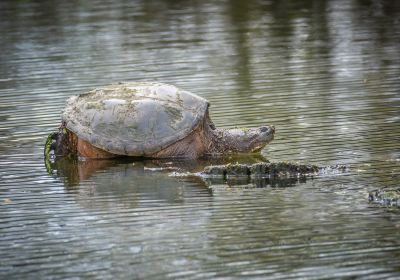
(147, 119)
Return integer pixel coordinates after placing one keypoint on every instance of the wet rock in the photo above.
(386, 197)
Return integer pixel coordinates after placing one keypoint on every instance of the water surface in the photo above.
(325, 73)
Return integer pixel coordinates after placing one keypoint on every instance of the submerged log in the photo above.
(263, 174)
(267, 169)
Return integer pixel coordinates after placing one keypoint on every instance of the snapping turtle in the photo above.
(147, 119)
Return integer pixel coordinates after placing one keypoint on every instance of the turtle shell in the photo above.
(135, 119)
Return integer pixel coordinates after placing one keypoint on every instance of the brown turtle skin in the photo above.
(151, 120)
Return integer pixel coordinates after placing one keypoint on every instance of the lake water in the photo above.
(325, 73)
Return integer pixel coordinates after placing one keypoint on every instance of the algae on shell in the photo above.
(136, 118)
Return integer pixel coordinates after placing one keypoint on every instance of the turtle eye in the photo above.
(212, 126)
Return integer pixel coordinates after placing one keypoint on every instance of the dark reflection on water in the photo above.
(325, 73)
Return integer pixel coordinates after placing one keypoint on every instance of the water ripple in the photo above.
(325, 74)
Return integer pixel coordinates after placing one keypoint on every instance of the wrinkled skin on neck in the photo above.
(230, 141)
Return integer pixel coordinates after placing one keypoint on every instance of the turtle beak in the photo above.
(273, 128)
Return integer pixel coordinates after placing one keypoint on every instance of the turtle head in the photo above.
(252, 140)
(260, 137)
(245, 140)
